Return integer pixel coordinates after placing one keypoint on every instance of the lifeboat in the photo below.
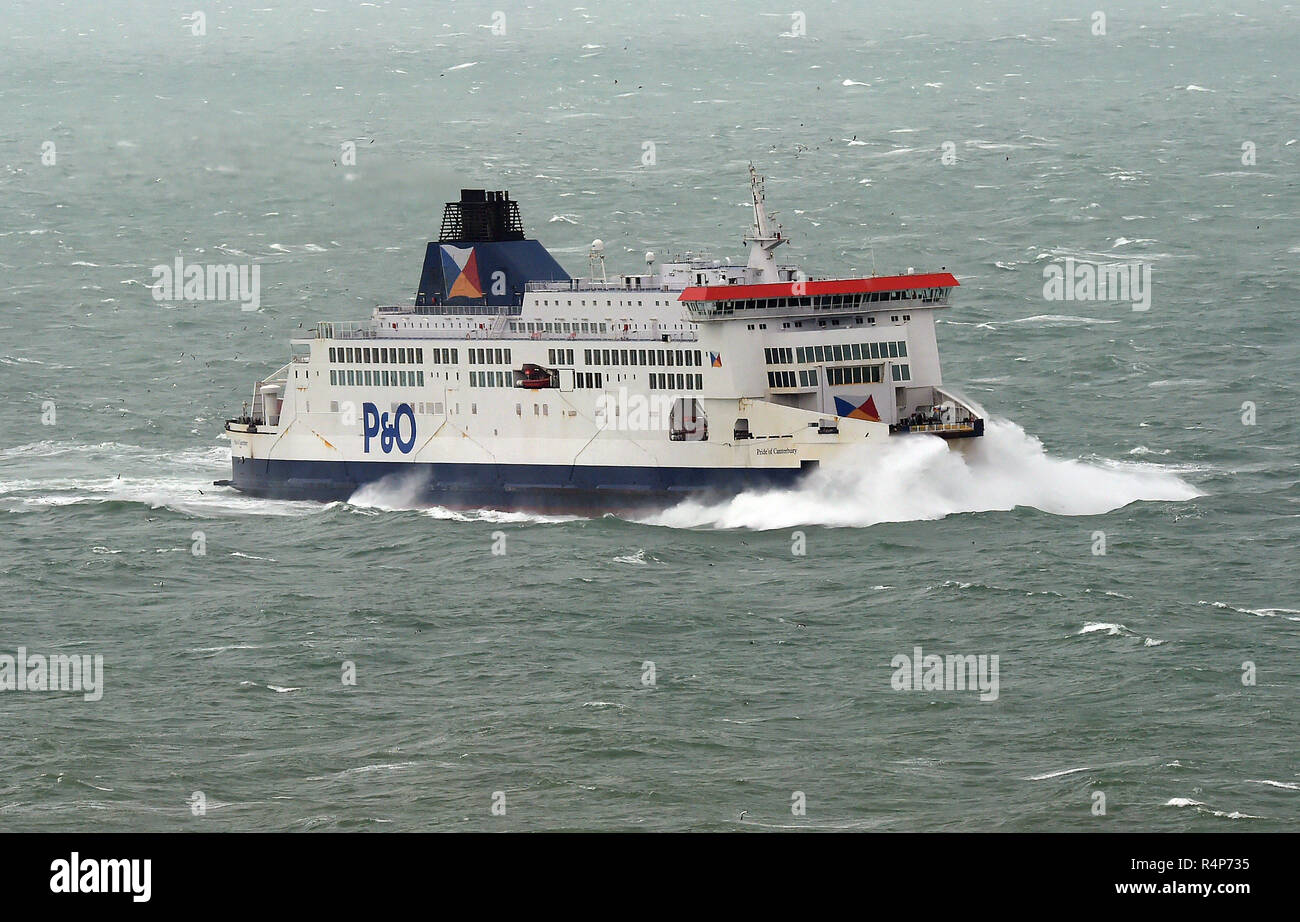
(535, 377)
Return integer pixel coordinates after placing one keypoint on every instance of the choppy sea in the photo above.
(1124, 539)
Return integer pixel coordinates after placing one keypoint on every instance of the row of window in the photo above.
(489, 356)
(848, 352)
(588, 379)
(835, 302)
(491, 379)
(557, 326)
(595, 302)
(376, 355)
(421, 409)
(680, 382)
(854, 374)
(662, 357)
(857, 374)
(559, 356)
(351, 378)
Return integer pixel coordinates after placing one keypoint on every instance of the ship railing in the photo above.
(345, 329)
(594, 285)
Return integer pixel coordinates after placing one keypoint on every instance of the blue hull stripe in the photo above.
(532, 487)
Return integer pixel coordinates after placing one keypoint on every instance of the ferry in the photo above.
(509, 384)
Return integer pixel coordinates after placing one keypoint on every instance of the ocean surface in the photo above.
(1161, 674)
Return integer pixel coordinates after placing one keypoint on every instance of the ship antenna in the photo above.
(763, 239)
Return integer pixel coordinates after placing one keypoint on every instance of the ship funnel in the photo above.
(482, 262)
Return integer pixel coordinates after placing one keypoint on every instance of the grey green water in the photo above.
(1161, 674)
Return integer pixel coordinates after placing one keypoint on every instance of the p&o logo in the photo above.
(376, 424)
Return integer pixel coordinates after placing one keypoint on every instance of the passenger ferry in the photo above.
(509, 384)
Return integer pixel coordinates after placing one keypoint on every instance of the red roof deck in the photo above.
(824, 287)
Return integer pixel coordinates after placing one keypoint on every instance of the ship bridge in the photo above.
(811, 298)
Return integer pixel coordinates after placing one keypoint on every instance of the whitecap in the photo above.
(917, 479)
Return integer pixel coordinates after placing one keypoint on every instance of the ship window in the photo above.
(519, 409)
(473, 409)
(419, 379)
(907, 373)
(902, 350)
(820, 352)
(331, 353)
(351, 380)
(536, 410)
(812, 378)
(875, 350)
(855, 350)
(546, 409)
(893, 350)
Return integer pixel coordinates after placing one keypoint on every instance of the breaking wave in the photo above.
(921, 478)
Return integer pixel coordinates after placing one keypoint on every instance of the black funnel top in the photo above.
(481, 217)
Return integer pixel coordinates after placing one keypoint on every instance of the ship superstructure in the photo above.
(510, 384)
